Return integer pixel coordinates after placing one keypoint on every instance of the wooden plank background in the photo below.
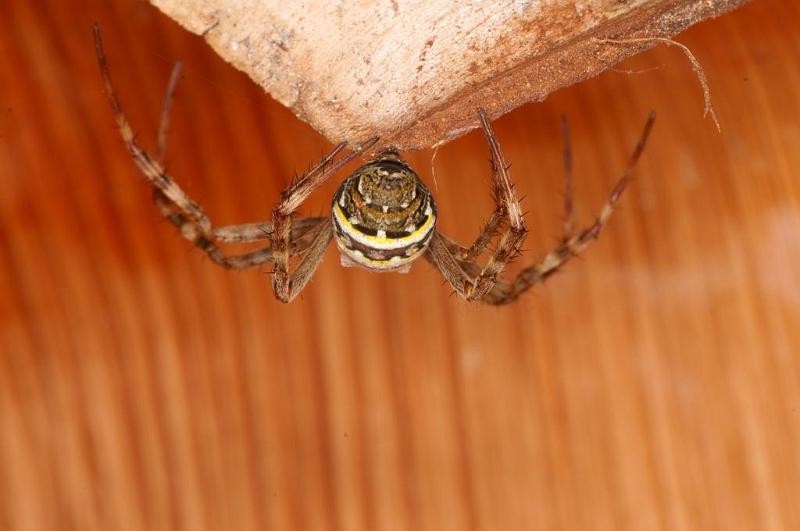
(653, 385)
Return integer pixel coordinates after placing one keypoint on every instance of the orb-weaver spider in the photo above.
(383, 217)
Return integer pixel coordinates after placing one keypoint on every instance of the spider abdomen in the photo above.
(383, 215)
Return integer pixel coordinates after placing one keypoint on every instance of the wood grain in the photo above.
(412, 72)
(653, 385)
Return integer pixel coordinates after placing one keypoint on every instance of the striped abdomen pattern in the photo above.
(383, 215)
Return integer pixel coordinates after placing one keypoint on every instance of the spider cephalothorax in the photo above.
(382, 218)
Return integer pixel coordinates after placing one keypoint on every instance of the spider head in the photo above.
(387, 182)
(383, 215)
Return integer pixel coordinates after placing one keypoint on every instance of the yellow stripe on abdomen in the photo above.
(383, 242)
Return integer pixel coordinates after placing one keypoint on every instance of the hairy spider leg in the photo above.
(447, 256)
(509, 291)
(175, 205)
(286, 286)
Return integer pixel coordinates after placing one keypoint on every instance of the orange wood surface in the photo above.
(655, 384)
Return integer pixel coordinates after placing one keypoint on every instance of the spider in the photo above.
(383, 217)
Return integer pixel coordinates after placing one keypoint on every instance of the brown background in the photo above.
(653, 385)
